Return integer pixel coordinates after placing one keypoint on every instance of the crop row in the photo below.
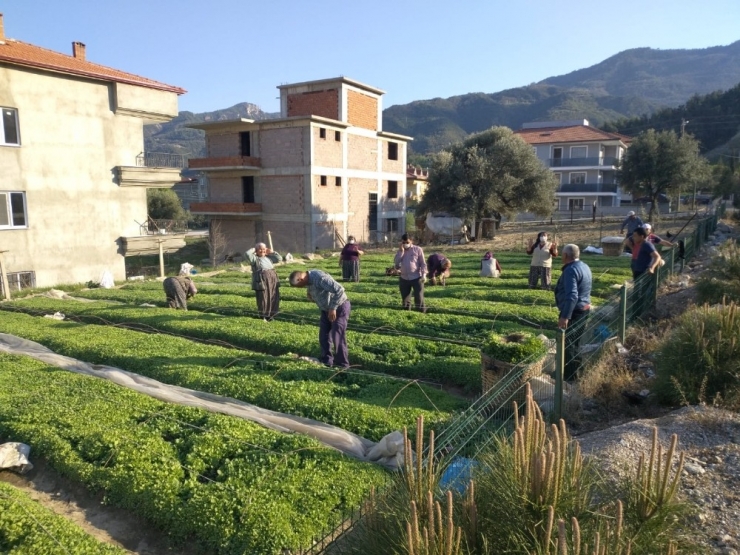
(397, 355)
(233, 485)
(368, 405)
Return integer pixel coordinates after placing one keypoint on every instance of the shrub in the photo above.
(701, 356)
(722, 281)
(514, 347)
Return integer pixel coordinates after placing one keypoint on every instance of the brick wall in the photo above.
(282, 194)
(226, 144)
(323, 235)
(362, 153)
(281, 148)
(394, 166)
(225, 189)
(327, 151)
(326, 198)
(287, 237)
(362, 110)
(393, 204)
(359, 195)
(239, 233)
(315, 103)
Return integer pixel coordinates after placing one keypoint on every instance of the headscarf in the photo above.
(488, 256)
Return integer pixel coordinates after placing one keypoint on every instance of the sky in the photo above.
(224, 52)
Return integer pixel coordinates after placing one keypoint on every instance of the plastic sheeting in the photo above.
(388, 452)
(444, 224)
(14, 456)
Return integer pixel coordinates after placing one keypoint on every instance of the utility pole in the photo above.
(683, 125)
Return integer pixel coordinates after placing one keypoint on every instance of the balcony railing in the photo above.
(160, 160)
(163, 227)
(588, 188)
(580, 162)
(224, 162)
(236, 208)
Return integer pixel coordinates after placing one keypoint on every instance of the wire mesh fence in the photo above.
(573, 352)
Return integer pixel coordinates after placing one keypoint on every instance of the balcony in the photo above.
(606, 161)
(160, 160)
(588, 188)
(226, 208)
(225, 163)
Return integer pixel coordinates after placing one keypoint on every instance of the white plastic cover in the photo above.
(106, 280)
(386, 452)
(185, 268)
(14, 456)
(444, 224)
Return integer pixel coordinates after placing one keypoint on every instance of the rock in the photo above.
(693, 468)
(312, 256)
(729, 551)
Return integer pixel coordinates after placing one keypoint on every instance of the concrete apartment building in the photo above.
(325, 169)
(583, 158)
(73, 178)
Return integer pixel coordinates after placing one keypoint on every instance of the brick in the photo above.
(362, 110)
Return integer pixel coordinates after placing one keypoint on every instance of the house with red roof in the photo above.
(74, 171)
(583, 158)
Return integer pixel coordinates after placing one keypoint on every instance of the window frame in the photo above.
(578, 146)
(17, 126)
(570, 178)
(9, 210)
(582, 201)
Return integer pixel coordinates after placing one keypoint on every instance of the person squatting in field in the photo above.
(178, 290)
(265, 282)
(438, 267)
(542, 252)
(410, 261)
(489, 266)
(335, 308)
(349, 260)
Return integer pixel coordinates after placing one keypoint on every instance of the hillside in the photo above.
(627, 85)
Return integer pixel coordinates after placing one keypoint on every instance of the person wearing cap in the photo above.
(349, 260)
(573, 299)
(631, 222)
(438, 267)
(489, 266)
(335, 308)
(409, 260)
(542, 252)
(655, 239)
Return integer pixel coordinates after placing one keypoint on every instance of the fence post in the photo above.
(623, 313)
(673, 260)
(559, 373)
(656, 284)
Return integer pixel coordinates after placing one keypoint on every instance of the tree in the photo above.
(490, 174)
(164, 204)
(660, 163)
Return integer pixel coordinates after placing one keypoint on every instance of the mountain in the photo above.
(173, 137)
(634, 83)
(629, 84)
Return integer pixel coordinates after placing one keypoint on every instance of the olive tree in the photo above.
(490, 174)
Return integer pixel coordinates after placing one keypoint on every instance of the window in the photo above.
(392, 151)
(559, 177)
(322, 133)
(391, 224)
(337, 135)
(245, 144)
(575, 204)
(557, 157)
(19, 280)
(13, 210)
(9, 127)
(578, 151)
(248, 189)
(577, 178)
(322, 180)
(393, 189)
(372, 212)
(338, 181)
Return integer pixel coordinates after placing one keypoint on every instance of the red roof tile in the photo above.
(573, 134)
(20, 53)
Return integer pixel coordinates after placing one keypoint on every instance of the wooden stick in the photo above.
(269, 240)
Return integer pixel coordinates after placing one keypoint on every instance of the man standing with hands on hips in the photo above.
(410, 261)
(573, 299)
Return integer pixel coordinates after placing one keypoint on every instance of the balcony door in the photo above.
(557, 157)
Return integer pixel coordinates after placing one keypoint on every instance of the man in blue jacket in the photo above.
(573, 299)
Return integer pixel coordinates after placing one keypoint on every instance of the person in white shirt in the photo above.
(542, 252)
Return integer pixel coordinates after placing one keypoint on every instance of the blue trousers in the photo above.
(335, 334)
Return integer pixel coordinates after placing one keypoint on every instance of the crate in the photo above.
(612, 246)
(493, 370)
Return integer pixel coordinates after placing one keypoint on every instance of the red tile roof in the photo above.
(573, 134)
(20, 53)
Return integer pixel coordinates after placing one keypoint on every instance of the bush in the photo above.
(722, 281)
(700, 358)
(515, 347)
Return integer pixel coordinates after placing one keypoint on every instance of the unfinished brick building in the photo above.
(323, 170)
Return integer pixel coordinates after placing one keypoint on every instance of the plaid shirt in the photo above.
(325, 291)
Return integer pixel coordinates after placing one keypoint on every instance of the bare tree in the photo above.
(216, 243)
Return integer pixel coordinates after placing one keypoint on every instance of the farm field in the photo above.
(230, 484)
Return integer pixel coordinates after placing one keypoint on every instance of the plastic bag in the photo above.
(106, 280)
(185, 269)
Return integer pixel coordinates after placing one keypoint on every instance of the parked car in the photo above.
(662, 199)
